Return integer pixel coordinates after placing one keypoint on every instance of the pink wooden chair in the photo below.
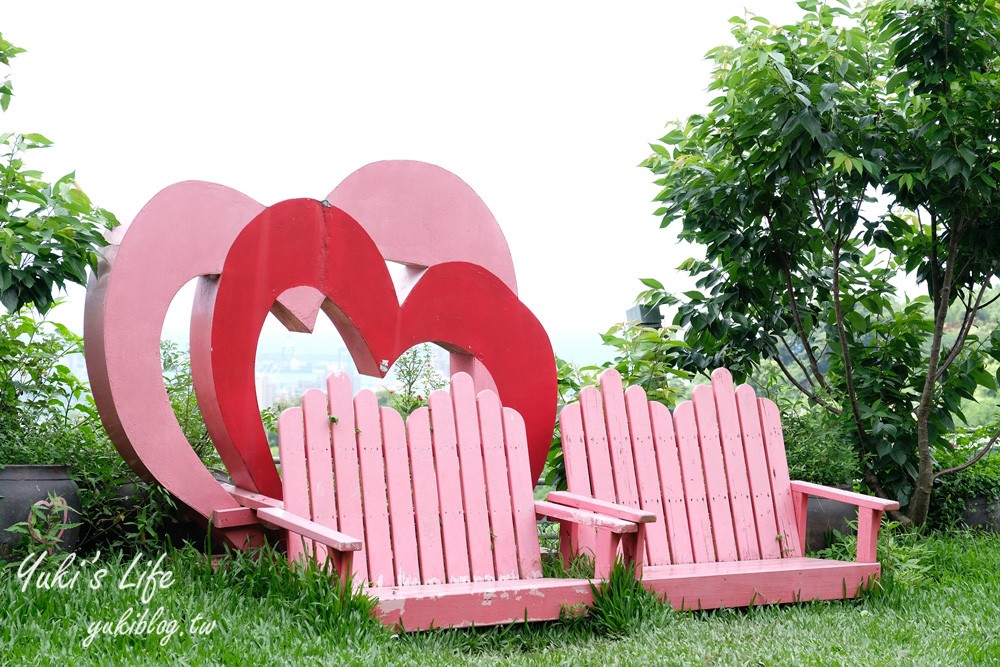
(435, 517)
(730, 525)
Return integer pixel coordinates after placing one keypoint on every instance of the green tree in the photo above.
(841, 156)
(49, 231)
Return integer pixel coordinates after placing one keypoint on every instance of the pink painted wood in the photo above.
(445, 502)
(714, 476)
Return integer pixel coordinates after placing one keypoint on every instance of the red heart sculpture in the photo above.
(303, 242)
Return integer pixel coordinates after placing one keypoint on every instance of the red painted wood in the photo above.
(291, 432)
(574, 448)
(674, 494)
(619, 441)
(693, 475)
(425, 497)
(522, 500)
(758, 472)
(800, 503)
(456, 549)
(310, 529)
(849, 497)
(233, 516)
(757, 582)
(319, 462)
(646, 472)
(583, 517)
(473, 482)
(374, 499)
(346, 466)
(596, 436)
(589, 504)
(497, 487)
(399, 489)
(731, 436)
(780, 484)
(716, 486)
(868, 525)
(479, 603)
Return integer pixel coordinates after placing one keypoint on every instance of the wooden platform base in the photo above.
(456, 605)
(758, 582)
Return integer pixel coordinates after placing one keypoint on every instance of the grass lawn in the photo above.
(939, 604)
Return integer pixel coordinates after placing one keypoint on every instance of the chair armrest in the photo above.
(308, 528)
(249, 498)
(604, 507)
(848, 497)
(583, 517)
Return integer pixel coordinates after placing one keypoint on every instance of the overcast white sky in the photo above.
(544, 108)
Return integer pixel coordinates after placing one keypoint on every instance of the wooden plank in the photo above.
(657, 548)
(400, 495)
(445, 443)
(480, 603)
(598, 454)
(784, 510)
(619, 440)
(375, 504)
(574, 448)
(425, 497)
(693, 476)
(849, 497)
(758, 473)
(299, 525)
(319, 463)
(674, 495)
(522, 498)
(758, 582)
(583, 517)
(590, 504)
(294, 475)
(719, 505)
(497, 487)
(470, 456)
(346, 469)
(731, 436)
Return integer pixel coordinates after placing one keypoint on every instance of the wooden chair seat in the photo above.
(730, 524)
(434, 516)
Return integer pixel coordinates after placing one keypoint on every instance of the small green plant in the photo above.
(46, 523)
(905, 555)
(621, 604)
(644, 356)
(416, 378)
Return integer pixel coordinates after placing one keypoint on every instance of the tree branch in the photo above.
(832, 409)
(980, 454)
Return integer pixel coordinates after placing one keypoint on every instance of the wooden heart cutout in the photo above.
(303, 242)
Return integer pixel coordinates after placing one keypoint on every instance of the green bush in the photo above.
(48, 417)
(818, 450)
(952, 492)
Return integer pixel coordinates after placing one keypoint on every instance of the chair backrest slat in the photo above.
(473, 482)
(574, 449)
(456, 549)
(693, 476)
(374, 501)
(619, 442)
(647, 473)
(399, 488)
(347, 480)
(781, 488)
(758, 472)
(598, 454)
(293, 470)
(497, 487)
(715, 473)
(425, 497)
(744, 519)
(521, 495)
(672, 488)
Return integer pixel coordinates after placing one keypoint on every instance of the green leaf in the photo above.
(651, 282)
